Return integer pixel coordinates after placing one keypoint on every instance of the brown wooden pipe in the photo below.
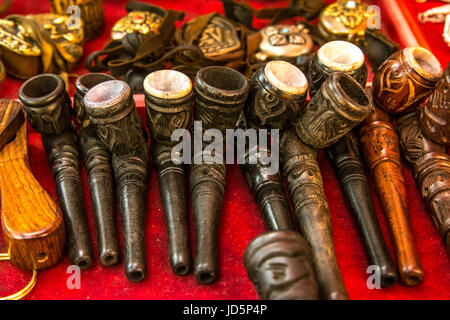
(311, 209)
(48, 110)
(277, 94)
(207, 189)
(431, 165)
(113, 113)
(381, 150)
(267, 187)
(168, 103)
(97, 160)
(350, 172)
(220, 94)
(269, 193)
(172, 187)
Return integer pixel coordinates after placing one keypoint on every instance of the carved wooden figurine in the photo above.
(435, 116)
(381, 150)
(339, 105)
(405, 80)
(350, 172)
(32, 222)
(431, 165)
(220, 94)
(311, 209)
(169, 99)
(97, 160)
(112, 111)
(48, 110)
(336, 56)
(279, 265)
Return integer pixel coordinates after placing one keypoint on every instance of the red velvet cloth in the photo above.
(240, 221)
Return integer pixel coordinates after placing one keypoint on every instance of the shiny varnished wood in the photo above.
(32, 222)
(381, 150)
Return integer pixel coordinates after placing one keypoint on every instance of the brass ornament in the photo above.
(26, 290)
(14, 37)
(2, 72)
(91, 13)
(67, 40)
(18, 49)
(143, 22)
(344, 20)
(284, 41)
(41, 43)
(218, 38)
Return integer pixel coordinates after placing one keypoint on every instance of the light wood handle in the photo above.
(32, 222)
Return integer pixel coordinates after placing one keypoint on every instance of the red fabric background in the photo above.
(240, 222)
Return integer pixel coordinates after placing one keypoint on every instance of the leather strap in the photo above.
(190, 33)
(243, 13)
(136, 51)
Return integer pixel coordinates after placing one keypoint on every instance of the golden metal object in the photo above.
(15, 38)
(141, 21)
(20, 52)
(284, 41)
(219, 37)
(5, 4)
(91, 13)
(22, 293)
(344, 20)
(39, 43)
(2, 72)
(67, 40)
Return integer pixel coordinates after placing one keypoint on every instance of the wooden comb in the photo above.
(32, 222)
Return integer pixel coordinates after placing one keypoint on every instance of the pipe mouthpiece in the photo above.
(205, 273)
(135, 272)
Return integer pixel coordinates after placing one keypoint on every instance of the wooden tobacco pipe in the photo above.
(32, 222)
